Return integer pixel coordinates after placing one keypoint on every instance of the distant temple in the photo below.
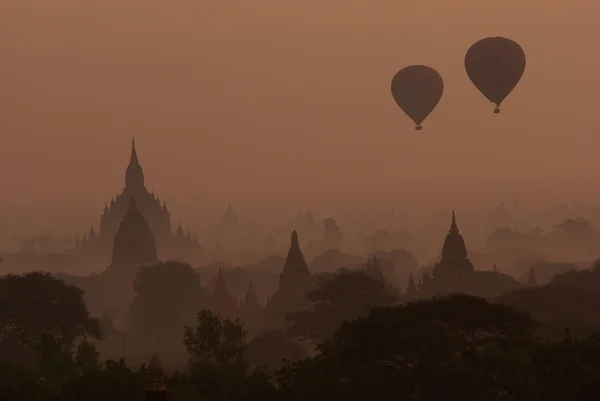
(294, 281)
(169, 245)
(249, 310)
(454, 265)
(295, 272)
(230, 232)
(454, 272)
(222, 301)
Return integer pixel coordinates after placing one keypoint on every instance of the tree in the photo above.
(54, 363)
(107, 322)
(218, 370)
(116, 382)
(217, 340)
(574, 229)
(168, 295)
(503, 238)
(87, 357)
(36, 304)
(273, 348)
(458, 347)
(557, 308)
(403, 259)
(345, 296)
(17, 384)
(569, 369)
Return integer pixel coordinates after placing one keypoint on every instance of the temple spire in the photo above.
(134, 176)
(133, 159)
(454, 245)
(453, 226)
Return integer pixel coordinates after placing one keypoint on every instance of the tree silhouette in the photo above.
(345, 296)
(36, 304)
(273, 348)
(457, 347)
(216, 340)
(168, 296)
(218, 370)
(115, 382)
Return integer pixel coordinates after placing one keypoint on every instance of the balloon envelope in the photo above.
(417, 89)
(495, 66)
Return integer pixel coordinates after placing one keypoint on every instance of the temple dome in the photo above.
(134, 243)
(454, 247)
(134, 222)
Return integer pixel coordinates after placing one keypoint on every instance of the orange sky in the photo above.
(287, 97)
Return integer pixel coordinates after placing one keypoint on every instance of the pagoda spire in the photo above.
(134, 158)
(134, 175)
(454, 244)
(453, 226)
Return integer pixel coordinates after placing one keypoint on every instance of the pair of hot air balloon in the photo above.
(495, 65)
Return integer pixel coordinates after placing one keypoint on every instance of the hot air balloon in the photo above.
(417, 89)
(495, 66)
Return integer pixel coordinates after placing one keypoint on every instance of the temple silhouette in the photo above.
(97, 245)
(454, 272)
(454, 265)
(295, 280)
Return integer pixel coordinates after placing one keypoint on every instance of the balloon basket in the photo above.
(418, 128)
(496, 110)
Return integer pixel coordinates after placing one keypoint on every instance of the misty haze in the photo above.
(271, 200)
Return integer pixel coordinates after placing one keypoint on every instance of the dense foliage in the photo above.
(457, 347)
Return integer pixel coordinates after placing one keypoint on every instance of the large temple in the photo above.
(179, 245)
(454, 265)
(454, 272)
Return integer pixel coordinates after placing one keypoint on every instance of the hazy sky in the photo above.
(277, 104)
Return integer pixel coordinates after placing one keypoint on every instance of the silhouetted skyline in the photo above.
(209, 91)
